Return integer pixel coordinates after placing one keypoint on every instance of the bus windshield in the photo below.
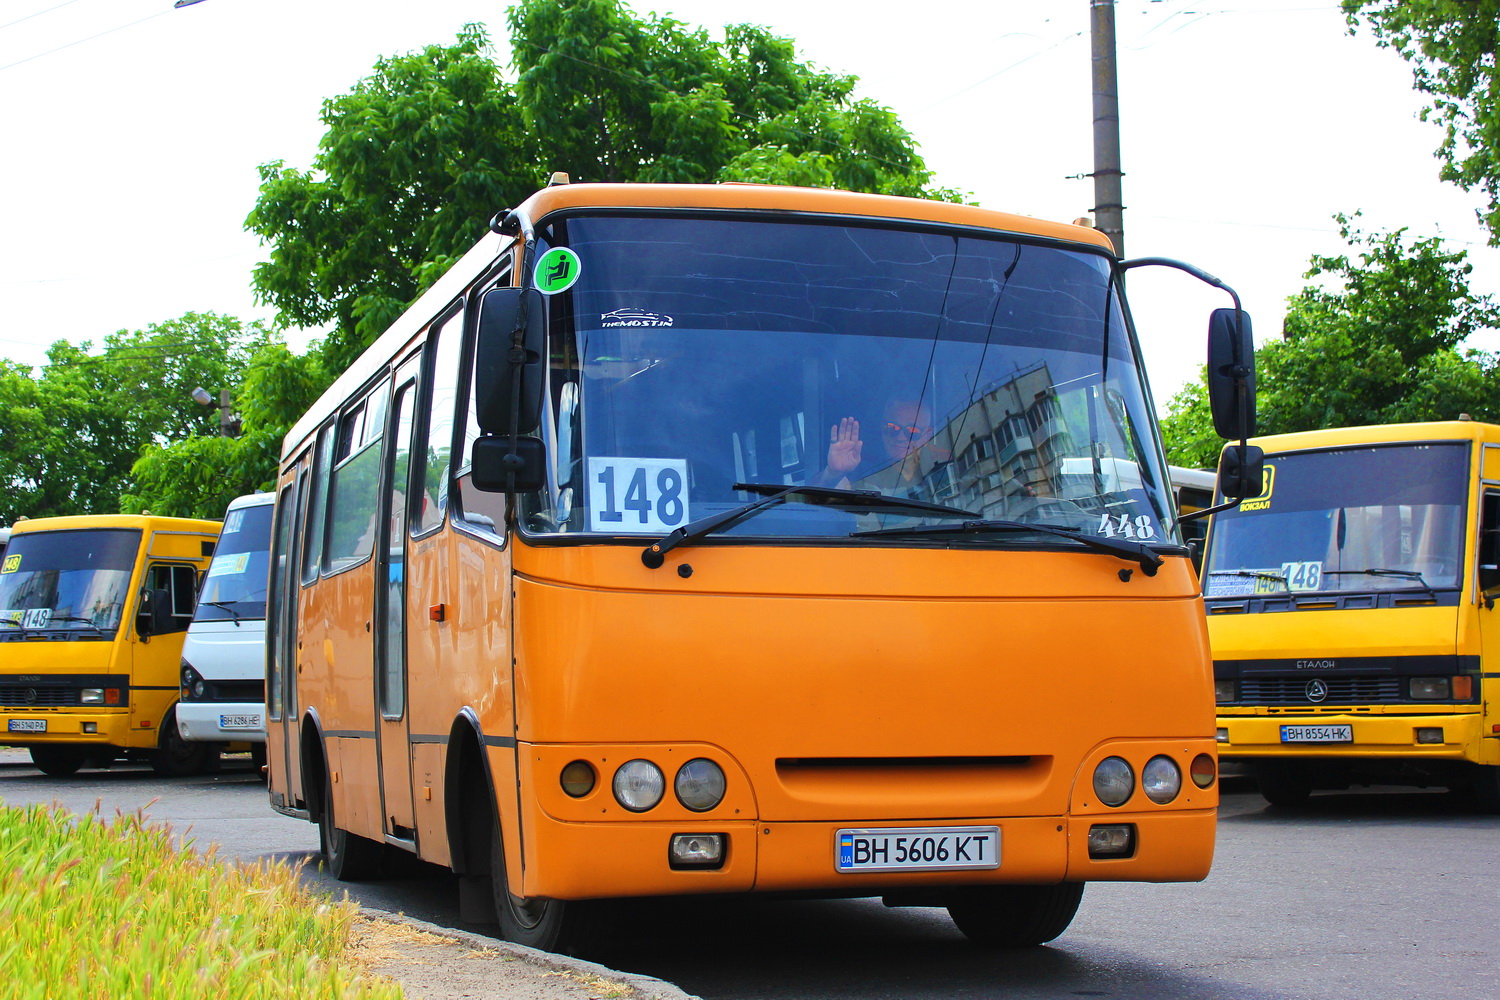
(993, 376)
(235, 587)
(68, 579)
(1346, 519)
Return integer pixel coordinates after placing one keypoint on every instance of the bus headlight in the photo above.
(699, 784)
(1429, 688)
(91, 696)
(1161, 780)
(1223, 691)
(1113, 781)
(639, 785)
(193, 685)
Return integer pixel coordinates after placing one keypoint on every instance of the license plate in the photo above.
(917, 849)
(239, 722)
(1317, 734)
(28, 725)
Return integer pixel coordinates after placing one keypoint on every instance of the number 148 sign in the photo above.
(630, 495)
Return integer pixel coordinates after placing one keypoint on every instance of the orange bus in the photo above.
(712, 539)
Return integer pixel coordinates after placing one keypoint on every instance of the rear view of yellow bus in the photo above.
(1352, 612)
(735, 539)
(92, 616)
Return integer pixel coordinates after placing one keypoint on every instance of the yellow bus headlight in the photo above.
(1161, 780)
(699, 784)
(1113, 781)
(639, 785)
(1430, 688)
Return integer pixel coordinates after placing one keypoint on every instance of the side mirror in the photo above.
(1242, 471)
(154, 615)
(1231, 374)
(502, 312)
(491, 462)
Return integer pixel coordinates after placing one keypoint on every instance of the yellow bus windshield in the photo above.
(68, 579)
(989, 375)
(1342, 520)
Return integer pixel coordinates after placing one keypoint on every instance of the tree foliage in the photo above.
(420, 155)
(70, 435)
(1451, 45)
(1382, 341)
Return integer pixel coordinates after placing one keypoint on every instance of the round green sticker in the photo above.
(556, 271)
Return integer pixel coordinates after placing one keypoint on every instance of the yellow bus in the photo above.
(93, 610)
(1351, 612)
(713, 539)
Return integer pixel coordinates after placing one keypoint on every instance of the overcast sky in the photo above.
(134, 131)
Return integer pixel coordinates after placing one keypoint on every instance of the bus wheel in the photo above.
(1015, 916)
(1283, 789)
(59, 762)
(347, 856)
(176, 757)
(1486, 787)
(547, 924)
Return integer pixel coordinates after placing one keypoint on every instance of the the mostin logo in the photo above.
(1267, 484)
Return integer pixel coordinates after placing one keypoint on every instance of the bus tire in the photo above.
(1015, 916)
(555, 925)
(176, 757)
(347, 856)
(1487, 788)
(59, 762)
(1283, 789)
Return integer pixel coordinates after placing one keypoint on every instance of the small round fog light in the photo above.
(1161, 780)
(639, 785)
(1113, 781)
(700, 784)
(1204, 770)
(578, 778)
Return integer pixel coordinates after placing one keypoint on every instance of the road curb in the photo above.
(643, 987)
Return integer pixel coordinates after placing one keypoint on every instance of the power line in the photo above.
(80, 41)
(39, 13)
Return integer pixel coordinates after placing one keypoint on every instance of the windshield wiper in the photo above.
(1134, 551)
(226, 607)
(777, 493)
(1254, 575)
(82, 621)
(1405, 574)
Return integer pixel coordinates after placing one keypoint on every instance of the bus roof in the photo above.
(768, 198)
(1335, 437)
(142, 521)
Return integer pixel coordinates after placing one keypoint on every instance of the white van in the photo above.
(224, 657)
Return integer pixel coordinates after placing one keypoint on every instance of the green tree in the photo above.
(198, 475)
(70, 435)
(1382, 344)
(420, 155)
(1451, 45)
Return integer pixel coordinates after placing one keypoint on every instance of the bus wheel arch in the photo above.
(175, 757)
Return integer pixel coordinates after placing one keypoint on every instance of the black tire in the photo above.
(347, 856)
(1487, 788)
(175, 757)
(556, 925)
(1283, 789)
(59, 762)
(1015, 916)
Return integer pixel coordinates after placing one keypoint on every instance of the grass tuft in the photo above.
(98, 909)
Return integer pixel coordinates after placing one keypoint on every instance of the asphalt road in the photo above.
(1368, 894)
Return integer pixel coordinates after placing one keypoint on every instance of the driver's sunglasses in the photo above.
(913, 430)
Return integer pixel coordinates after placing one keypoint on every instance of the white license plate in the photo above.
(28, 725)
(1317, 734)
(917, 849)
(239, 722)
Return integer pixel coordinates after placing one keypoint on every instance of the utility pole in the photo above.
(1109, 207)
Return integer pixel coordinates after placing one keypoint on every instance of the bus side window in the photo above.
(437, 462)
(312, 529)
(176, 587)
(1489, 542)
(353, 491)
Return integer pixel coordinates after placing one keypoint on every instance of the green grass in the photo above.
(95, 909)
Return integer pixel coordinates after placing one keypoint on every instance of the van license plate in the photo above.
(28, 725)
(1317, 734)
(917, 849)
(239, 722)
